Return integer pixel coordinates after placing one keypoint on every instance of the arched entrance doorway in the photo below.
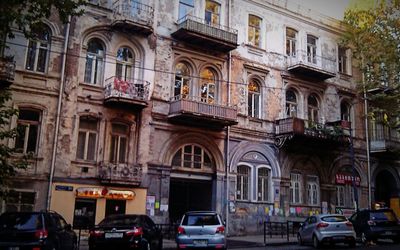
(385, 187)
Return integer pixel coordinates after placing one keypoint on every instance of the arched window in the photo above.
(313, 109)
(243, 183)
(345, 111)
(125, 64)
(182, 80)
(253, 99)
(208, 86)
(291, 103)
(94, 62)
(38, 49)
(263, 182)
(192, 156)
(119, 142)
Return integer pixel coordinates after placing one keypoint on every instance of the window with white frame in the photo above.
(345, 195)
(212, 13)
(186, 7)
(345, 111)
(291, 42)
(263, 182)
(192, 156)
(87, 139)
(253, 104)
(125, 64)
(119, 142)
(208, 81)
(28, 127)
(18, 201)
(312, 49)
(312, 190)
(313, 109)
(38, 49)
(344, 60)
(94, 62)
(291, 103)
(254, 30)
(243, 183)
(295, 188)
(182, 80)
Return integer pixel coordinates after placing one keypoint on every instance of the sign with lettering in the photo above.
(64, 188)
(347, 179)
(95, 192)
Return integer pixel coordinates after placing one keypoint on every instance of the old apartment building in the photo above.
(246, 107)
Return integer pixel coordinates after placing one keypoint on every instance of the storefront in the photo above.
(86, 205)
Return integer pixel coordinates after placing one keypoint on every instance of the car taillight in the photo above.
(349, 224)
(41, 234)
(137, 231)
(220, 230)
(181, 230)
(322, 225)
(371, 223)
(96, 233)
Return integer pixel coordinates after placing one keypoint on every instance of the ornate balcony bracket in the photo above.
(124, 174)
(280, 140)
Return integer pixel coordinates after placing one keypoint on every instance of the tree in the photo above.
(373, 35)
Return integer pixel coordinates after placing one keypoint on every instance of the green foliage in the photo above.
(374, 38)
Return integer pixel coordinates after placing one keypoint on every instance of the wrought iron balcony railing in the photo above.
(303, 60)
(121, 173)
(383, 139)
(129, 89)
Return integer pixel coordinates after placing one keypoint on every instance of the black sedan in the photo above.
(126, 231)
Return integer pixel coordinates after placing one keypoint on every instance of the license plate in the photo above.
(339, 238)
(113, 235)
(200, 242)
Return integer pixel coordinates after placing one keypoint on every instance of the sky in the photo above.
(332, 8)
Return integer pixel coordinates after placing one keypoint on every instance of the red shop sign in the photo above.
(347, 179)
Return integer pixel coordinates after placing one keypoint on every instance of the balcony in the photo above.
(192, 110)
(197, 31)
(7, 71)
(131, 92)
(303, 130)
(132, 16)
(120, 174)
(384, 139)
(315, 67)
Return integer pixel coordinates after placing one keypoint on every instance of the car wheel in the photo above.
(300, 240)
(316, 243)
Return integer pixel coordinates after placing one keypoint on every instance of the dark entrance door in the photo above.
(115, 207)
(188, 195)
(385, 187)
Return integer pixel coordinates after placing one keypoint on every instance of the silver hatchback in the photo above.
(200, 229)
(326, 228)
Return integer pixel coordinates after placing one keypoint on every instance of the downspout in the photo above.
(59, 104)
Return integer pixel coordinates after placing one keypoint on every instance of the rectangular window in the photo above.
(342, 60)
(291, 42)
(87, 139)
(212, 13)
(295, 190)
(254, 30)
(242, 183)
(340, 194)
(26, 140)
(186, 7)
(312, 190)
(119, 139)
(311, 49)
(19, 201)
(263, 184)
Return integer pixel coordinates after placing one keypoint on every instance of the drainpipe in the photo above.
(59, 104)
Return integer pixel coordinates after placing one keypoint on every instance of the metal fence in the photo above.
(280, 229)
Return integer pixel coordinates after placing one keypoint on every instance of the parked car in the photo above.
(376, 224)
(199, 229)
(36, 231)
(326, 228)
(126, 231)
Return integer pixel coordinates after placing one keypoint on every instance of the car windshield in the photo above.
(120, 221)
(336, 218)
(200, 220)
(383, 216)
(20, 221)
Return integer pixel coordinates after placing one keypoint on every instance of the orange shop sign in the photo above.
(95, 192)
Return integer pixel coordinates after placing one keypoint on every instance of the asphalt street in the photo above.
(380, 245)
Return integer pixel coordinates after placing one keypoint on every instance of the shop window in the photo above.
(87, 139)
(254, 31)
(28, 127)
(192, 156)
(94, 62)
(208, 86)
(212, 13)
(291, 42)
(119, 143)
(84, 213)
(312, 49)
(182, 81)
(124, 64)
(243, 183)
(313, 109)
(312, 190)
(253, 99)
(19, 201)
(38, 49)
(295, 188)
(263, 182)
(291, 103)
(186, 7)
